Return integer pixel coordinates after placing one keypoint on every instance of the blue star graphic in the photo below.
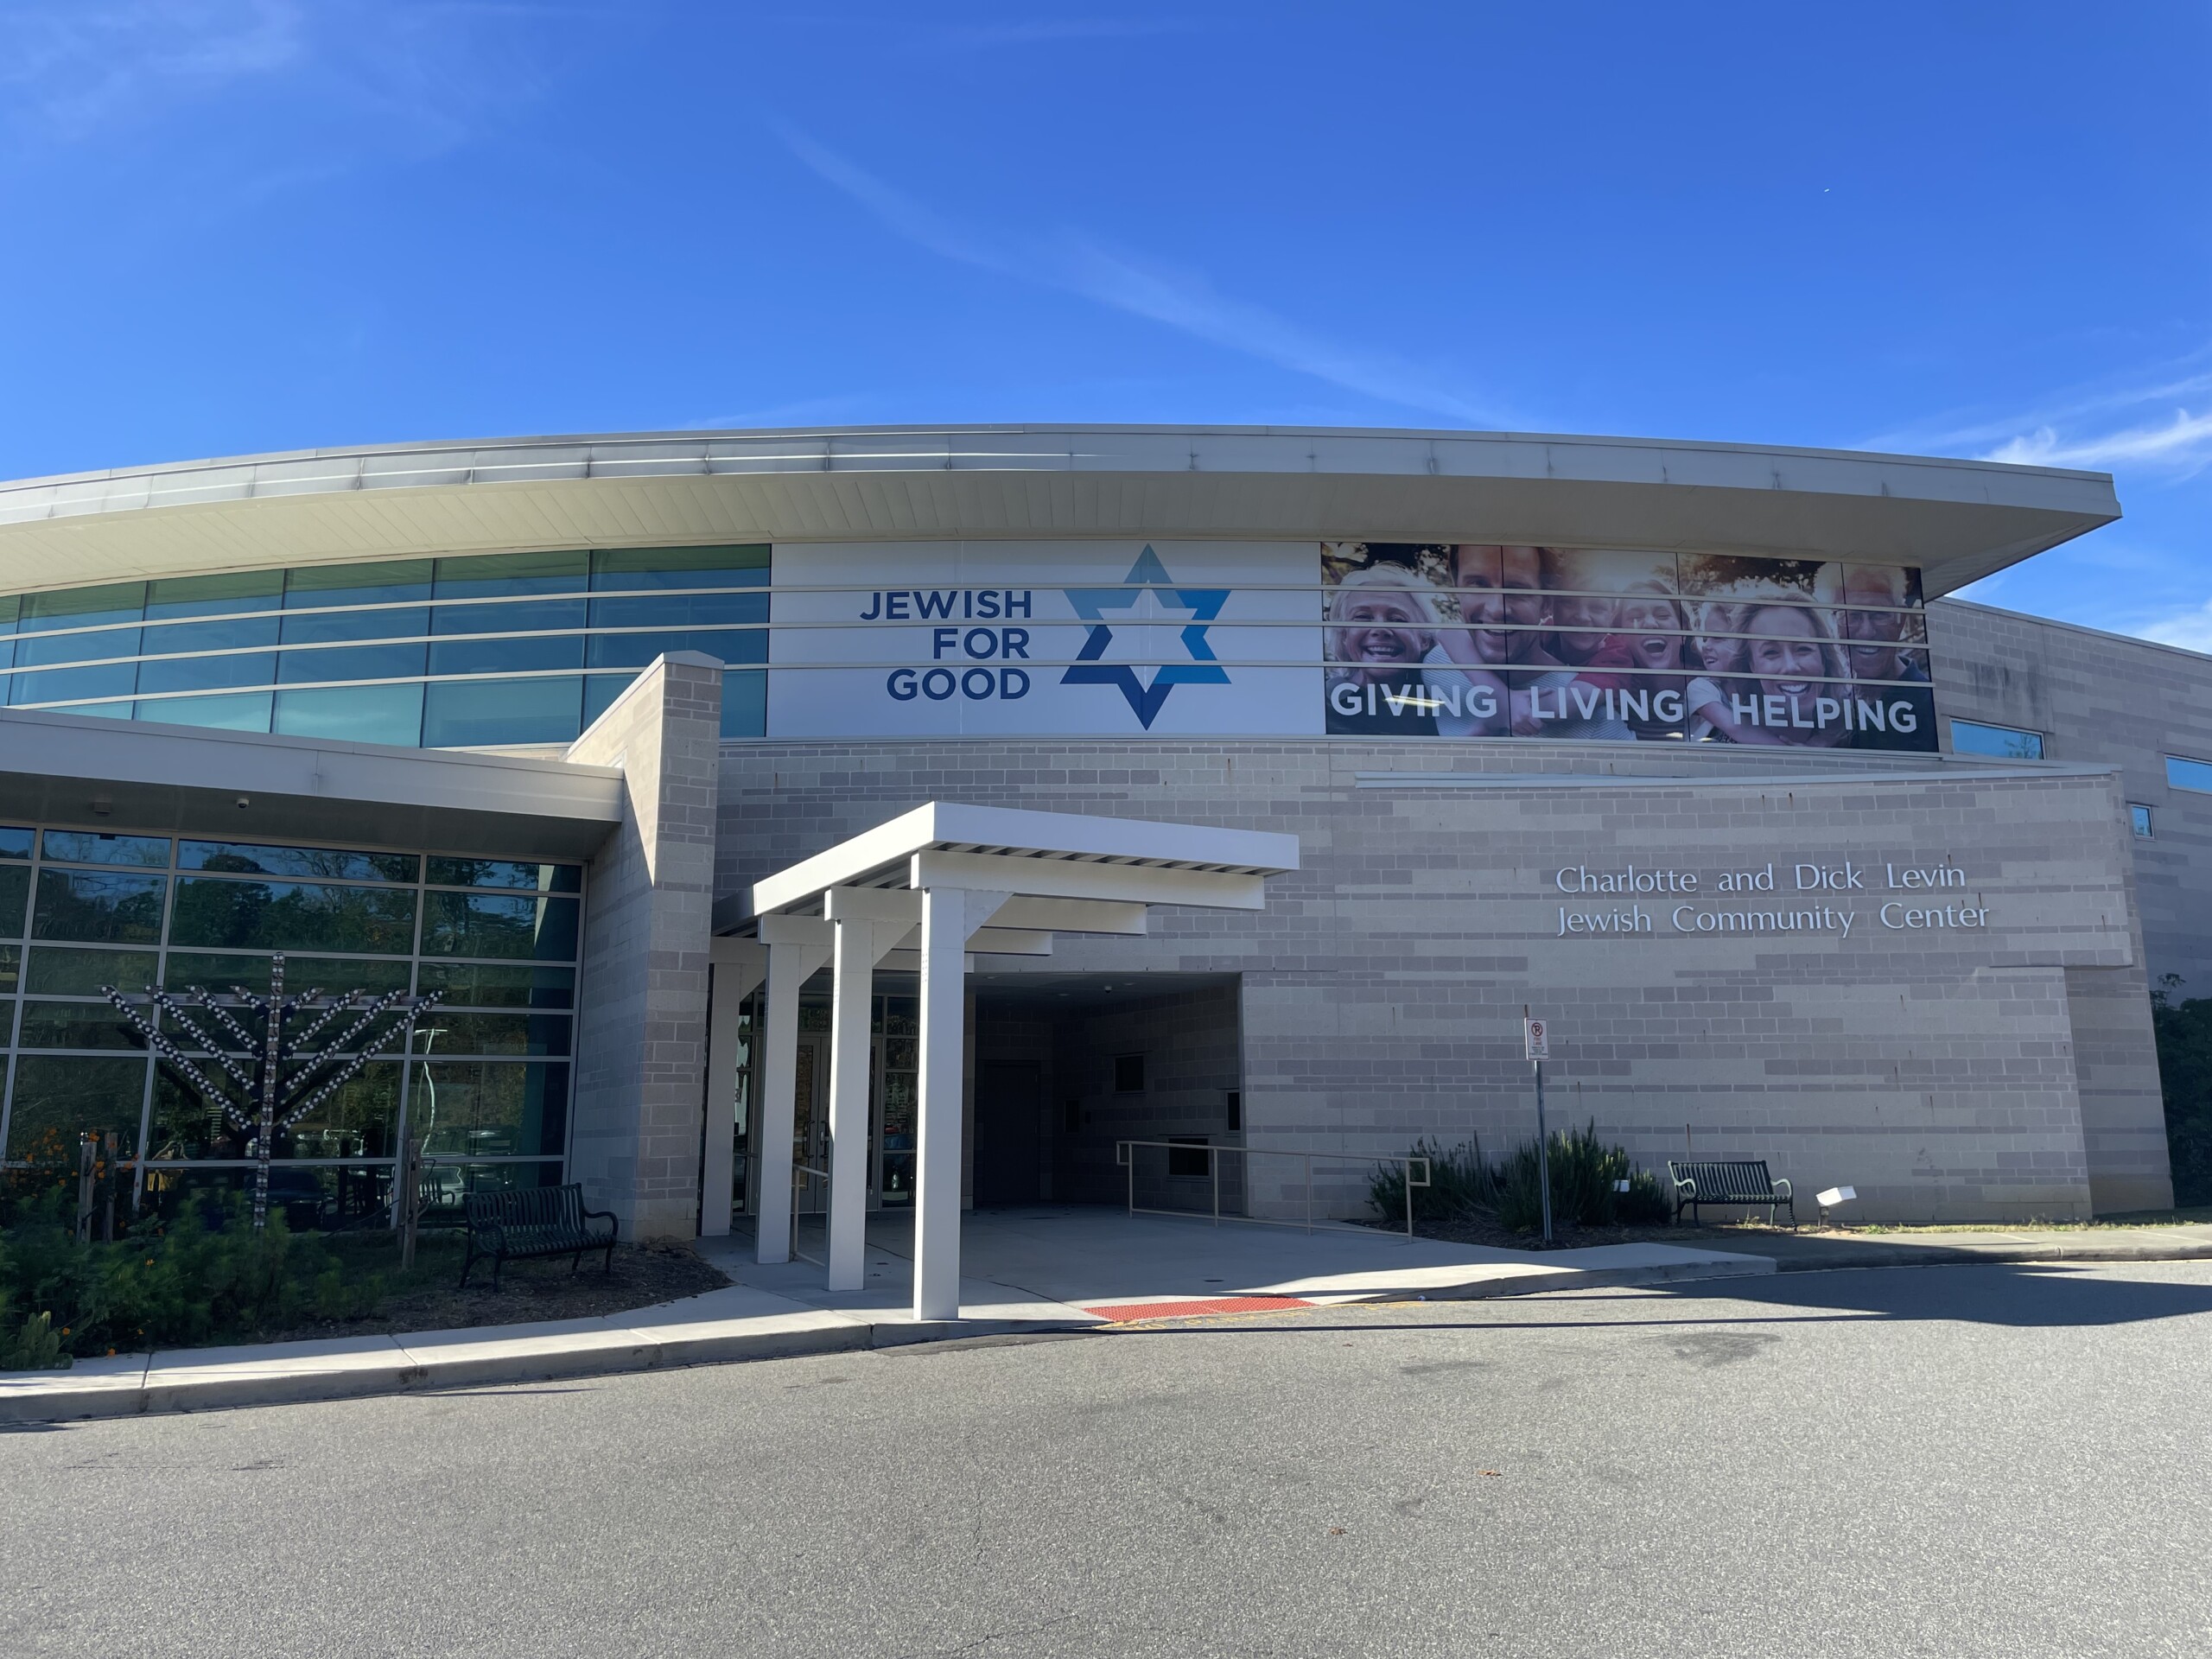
(1146, 575)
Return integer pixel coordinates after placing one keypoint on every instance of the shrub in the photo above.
(1584, 1174)
(205, 1276)
(1459, 1181)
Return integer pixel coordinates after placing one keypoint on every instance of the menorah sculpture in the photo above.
(266, 1081)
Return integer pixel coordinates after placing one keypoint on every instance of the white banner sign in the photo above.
(1109, 638)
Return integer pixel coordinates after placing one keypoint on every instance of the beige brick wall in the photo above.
(1383, 987)
(636, 1122)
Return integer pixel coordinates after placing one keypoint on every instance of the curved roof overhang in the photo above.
(1959, 520)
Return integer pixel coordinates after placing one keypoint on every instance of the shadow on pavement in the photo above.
(1992, 1292)
(2022, 1295)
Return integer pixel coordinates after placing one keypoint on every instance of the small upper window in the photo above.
(2140, 817)
(1128, 1074)
(2005, 742)
(2189, 774)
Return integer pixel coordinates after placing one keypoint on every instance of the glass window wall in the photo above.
(481, 651)
(487, 1086)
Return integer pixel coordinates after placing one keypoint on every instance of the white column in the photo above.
(949, 915)
(740, 965)
(852, 999)
(796, 947)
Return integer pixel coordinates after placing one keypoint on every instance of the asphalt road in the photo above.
(1943, 1461)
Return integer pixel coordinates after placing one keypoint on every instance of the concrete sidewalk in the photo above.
(1030, 1270)
(1036, 1270)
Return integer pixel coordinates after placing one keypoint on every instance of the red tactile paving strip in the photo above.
(1129, 1313)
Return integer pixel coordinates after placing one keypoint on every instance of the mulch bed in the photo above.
(428, 1297)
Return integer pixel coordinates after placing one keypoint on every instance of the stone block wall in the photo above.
(637, 1120)
(1934, 1069)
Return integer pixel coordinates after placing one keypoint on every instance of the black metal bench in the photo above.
(1746, 1183)
(522, 1223)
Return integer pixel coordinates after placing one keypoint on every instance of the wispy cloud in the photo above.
(2143, 424)
(70, 70)
(2183, 443)
(2190, 628)
(1128, 282)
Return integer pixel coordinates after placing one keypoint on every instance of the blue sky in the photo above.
(247, 225)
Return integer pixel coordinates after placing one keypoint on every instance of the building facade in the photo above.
(1683, 745)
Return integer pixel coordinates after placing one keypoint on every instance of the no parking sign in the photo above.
(1537, 1039)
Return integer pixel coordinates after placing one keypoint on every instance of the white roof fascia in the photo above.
(1956, 519)
(1019, 848)
(1059, 878)
(125, 752)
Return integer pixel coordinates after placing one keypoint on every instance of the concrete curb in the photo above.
(1952, 1256)
(366, 1367)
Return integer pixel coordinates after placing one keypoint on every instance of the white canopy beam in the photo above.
(995, 880)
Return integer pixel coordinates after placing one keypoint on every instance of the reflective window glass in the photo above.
(481, 984)
(11, 962)
(96, 647)
(617, 568)
(2007, 743)
(254, 590)
(485, 924)
(16, 840)
(357, 1122)
(207, 673)
(518, 656)
(325, 863)
(366, 713)
(2139, 819)
(238, 633)
(56, 971)
(524, 617)
(386, 582)
(212, 913)
(679, 610)
(94, 710)
(73, 1024)
(79, 607)
(505, 873)
(92, 847)
(745, 704)
(247, 713)
(352, 662)
(600, 692)
(487, 576)
(442, 1032)
(56, 1099)
(491, 1109)
(2188, 774)
(15, 898)
(75, 684)
(463, 713)
(336, 975)
(639, 650)
(99, 906)
(10, 608)
(327, 627)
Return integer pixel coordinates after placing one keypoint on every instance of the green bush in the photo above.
(1458, 1180)
(1584, 1174)
(206, 1276)
(2183, 1031)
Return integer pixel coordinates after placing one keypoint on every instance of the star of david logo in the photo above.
(1148, 586)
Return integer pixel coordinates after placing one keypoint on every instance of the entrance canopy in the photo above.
(944, 880)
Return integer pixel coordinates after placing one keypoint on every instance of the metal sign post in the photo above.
(1536, 1044)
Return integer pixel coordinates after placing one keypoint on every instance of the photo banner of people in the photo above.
(1438, 639)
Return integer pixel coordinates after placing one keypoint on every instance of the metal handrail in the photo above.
(1121, 1156)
